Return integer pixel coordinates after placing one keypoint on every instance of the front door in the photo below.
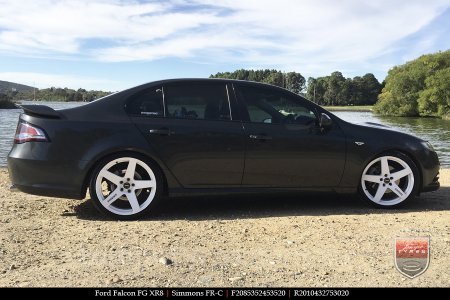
(285, 145)
(191, 128)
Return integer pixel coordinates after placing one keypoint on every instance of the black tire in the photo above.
(147, 198)
(409, 189)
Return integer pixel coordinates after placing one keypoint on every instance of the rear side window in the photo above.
(197, 101)
(147, 103)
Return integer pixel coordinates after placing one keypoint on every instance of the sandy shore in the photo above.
(252, 241)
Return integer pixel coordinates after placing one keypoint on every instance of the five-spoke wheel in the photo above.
(389, 180)
(125, 186)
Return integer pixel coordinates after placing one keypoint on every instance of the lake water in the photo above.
(436, 131)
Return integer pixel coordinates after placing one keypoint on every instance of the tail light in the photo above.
(29, 133)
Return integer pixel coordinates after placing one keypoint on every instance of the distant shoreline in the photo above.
(15, 104)
(368, 108)
(38, 101)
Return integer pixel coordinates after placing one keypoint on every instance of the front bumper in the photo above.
(433, 186)
(430, 172)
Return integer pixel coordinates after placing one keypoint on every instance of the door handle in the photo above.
(262, 137)
(161, 131)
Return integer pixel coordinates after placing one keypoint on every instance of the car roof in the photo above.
(205, 80)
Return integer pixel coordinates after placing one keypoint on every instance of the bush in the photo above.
(7, 104)
(418, 88)
(5, 101)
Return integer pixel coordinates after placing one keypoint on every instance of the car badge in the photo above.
(412, 255)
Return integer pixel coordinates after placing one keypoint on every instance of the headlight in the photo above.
(428, 145)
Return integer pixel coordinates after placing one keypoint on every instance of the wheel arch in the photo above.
(124, 152)
(404, 152)
(417, 163)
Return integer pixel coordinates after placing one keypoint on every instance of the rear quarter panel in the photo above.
(77, 142)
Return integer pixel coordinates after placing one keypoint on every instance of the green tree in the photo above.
(364, 90)
(5, 101)
(4, 96)
(316, 89)
(295, 82)
(344, 95)
(357, 91)
(411, 89)
(435, 98)
(371, 88)
(311, 89)
(275, 78)
(334, 86)
(59, 94)
(292, 81)
(338, 90)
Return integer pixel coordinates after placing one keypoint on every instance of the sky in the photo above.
(113, 45)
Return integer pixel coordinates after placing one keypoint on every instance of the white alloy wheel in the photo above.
(387, 181)
(125, 186)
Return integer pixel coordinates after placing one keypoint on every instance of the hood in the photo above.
(378, 131)
(375, 125)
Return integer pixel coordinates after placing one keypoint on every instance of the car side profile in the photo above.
(211, 136)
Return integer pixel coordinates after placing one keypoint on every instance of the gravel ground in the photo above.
(228, 241)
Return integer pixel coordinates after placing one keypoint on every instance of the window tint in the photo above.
(147, 103)
(197, 101)
(267, 106)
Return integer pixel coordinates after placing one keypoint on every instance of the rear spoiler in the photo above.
(40, 111)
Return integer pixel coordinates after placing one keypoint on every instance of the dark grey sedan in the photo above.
(210, 136)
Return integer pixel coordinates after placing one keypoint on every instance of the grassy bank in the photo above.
(360, 108)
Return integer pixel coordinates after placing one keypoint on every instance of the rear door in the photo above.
(190, 126)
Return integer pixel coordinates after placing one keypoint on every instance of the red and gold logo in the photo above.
(412, 255)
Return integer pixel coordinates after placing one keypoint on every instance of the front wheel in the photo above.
(389, 180)
(125, 187)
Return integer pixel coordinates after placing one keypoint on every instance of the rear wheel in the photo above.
(126, 187)
(389, 180)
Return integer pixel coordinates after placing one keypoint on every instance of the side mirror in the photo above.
(325, 121)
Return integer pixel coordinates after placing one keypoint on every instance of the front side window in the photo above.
(197, 101)
(268, 106)
(147, 103)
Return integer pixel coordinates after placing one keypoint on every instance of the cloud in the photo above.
(308, 35)
(45, 80)
(62, 26)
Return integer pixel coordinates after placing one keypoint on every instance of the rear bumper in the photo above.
(49, 191)
(45, 178)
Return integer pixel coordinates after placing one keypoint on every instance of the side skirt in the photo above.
(182, 192)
